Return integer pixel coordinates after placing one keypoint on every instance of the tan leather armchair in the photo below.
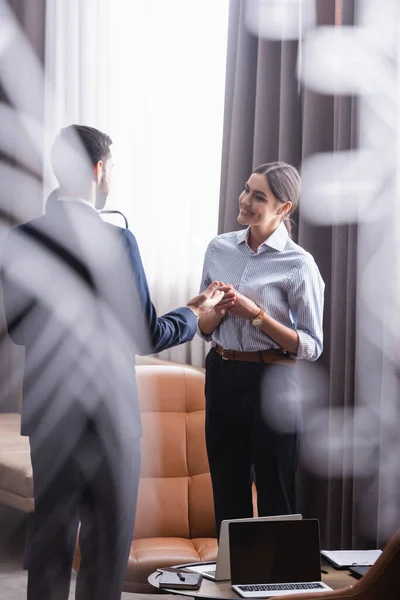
(175, 517)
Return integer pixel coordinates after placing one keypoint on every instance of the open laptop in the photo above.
(275, 558)
(221, 570)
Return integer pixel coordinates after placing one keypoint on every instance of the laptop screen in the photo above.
(274, 552)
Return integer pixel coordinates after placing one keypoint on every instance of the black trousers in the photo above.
(252, 426)
(87, 485)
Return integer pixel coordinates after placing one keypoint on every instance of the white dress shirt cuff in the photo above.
(308, 347)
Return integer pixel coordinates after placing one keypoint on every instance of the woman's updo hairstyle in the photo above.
(284, 182)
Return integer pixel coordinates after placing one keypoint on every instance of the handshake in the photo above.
(205, 301)
(216, 295)
(223, 298)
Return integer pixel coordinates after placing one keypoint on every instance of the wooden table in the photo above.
(335, 578)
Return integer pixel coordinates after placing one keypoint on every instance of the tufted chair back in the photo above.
(175, 493)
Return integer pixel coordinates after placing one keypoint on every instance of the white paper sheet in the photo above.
(351, 558)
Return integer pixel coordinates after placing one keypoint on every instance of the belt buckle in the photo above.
(223, 353)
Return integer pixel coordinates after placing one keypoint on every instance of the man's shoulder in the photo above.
(32, 223)
(124, 233)
(127, 239)
(20, 240)
(115, 229)
(32, 227)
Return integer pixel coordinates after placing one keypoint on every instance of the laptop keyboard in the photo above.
(277, 587)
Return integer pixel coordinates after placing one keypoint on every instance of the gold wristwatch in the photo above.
(258, 319)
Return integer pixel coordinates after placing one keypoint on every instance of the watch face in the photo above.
(256, 322)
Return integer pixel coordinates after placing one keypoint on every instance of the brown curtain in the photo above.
(30, 15)
(262, 119)
(269, 117)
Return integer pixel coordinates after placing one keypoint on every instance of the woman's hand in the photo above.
(244, 307)
(210, 321)
(228, 300)
(237, 304)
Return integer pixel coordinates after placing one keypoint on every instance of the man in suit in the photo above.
(76, 297)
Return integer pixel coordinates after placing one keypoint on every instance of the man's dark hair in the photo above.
(75, 151)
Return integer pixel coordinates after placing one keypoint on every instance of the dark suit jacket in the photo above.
(76, 297)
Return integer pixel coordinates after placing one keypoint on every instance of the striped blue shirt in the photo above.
(281, 277)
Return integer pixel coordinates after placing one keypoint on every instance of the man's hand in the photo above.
(227, 301)
(205, 301)
(241, 306)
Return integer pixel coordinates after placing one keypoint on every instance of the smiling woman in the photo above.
(271, 316)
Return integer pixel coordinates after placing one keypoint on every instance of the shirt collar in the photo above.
(79, 200)
(241, 235)
(276, 240)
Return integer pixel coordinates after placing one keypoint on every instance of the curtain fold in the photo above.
(239, 124)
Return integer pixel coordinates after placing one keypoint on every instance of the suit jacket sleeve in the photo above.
(173, 328)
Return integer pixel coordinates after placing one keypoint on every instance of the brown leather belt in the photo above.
(278, 357)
